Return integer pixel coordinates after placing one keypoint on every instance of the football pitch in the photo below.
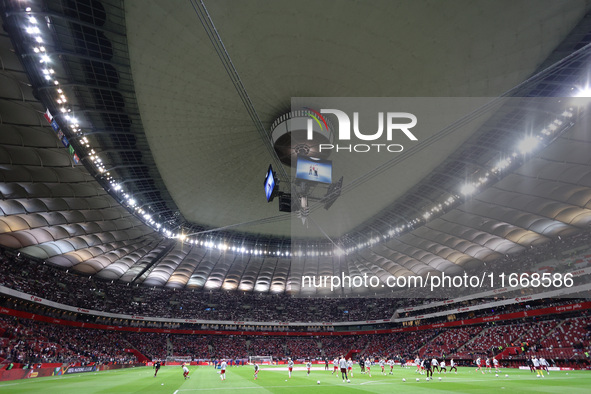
(275, 380)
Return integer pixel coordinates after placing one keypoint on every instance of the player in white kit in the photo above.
(350, 367)
(537, 366)
(544, 364)
(496, 364)
(290, 366)
(452, 365)
(343, 367)
(435, 365)
(223, 367)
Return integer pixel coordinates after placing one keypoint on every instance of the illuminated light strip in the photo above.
(62, 99)
(505, 163)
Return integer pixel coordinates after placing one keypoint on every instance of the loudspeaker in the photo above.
(285, 203)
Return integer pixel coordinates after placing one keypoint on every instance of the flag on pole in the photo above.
(48, 116)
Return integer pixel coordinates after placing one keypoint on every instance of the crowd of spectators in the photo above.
(150, 344)
(407, 344)
(449, 341)
(495, 336)
(195, 345)
(27, 341)
(39, 279)
(563, 339)
(32, 277)
(228, 346)
(562, 250)
(36, 278)
(334, 346)
(306, 347)
(574, 332)
(558, 256)
(30, 342)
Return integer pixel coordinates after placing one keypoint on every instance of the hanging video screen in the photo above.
(314, 170)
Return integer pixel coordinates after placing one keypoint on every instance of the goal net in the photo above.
(261, 360)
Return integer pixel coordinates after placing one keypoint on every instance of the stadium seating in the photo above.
(22, 341)
(27, 341)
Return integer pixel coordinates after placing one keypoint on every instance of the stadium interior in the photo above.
(135, 137)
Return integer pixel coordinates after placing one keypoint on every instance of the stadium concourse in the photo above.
(135, 137)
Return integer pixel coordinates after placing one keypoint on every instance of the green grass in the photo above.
(274, 380)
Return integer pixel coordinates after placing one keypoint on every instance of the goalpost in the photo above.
(261, 360)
